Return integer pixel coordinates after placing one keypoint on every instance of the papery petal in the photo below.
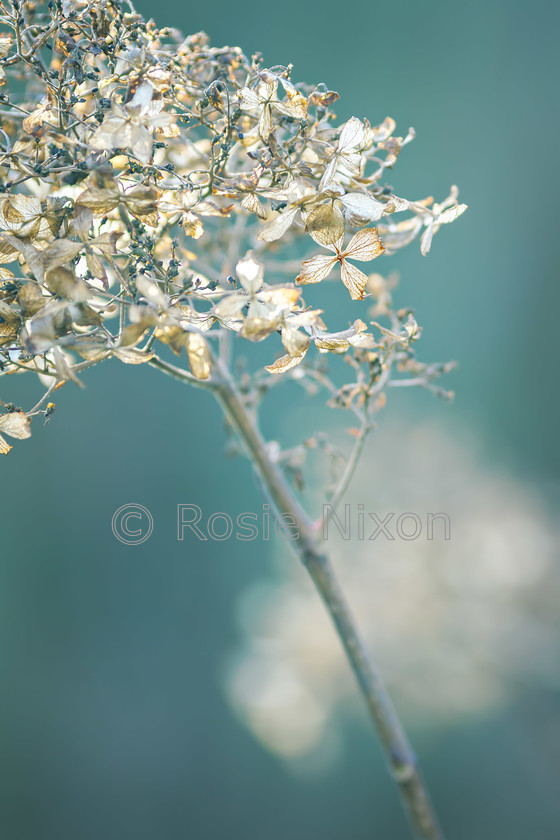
(248, 98)
(199, 356)
(278, 226)
(285, 363)
(282, 297)
(231, 306)
(261, 320)
(451, 214)
(362, 208)
(294, 105)
(253, 204)
(354, 280)
(315, 269)
(365, 245)
(15, 425)
(294, 341)
(325, 223)
(250, 273)
(352, 136)
(265, 123)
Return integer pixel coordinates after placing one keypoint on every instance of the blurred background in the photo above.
(188, 689)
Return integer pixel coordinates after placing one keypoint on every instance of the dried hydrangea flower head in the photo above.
(154, 191)
(149, 182)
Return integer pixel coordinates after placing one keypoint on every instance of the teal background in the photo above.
(114, 722)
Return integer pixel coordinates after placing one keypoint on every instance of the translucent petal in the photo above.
(265, 123)
(451, 214)
(362, 207)
(352, 136)
(294, 341)
(426, 240)
(261, 320)
(284, 363)
(283, 297)
(253, 204)
(248, 98)
(278, 226)
(15, 424)
(199, 356)
(365, 245)
(294, 105)
(325, 223)
(315, 269)
(132, 355)
(250, 273)
(354, 280)
(231, 306)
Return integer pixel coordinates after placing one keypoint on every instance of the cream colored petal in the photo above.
(265, 122)
(247, 98)
(285, 363)
(365, 245)
(283, 297)
(325, 223)
(352, 136)
(199, 356)
(362, 208)
(451, 214)
(315, 269)
(354, 280)
(294, 105)
(278, 226)
(261, 320)
(231, 306)
(253, 204)
(250, 273)
(132, 355)
(294, 341)
(15, 424)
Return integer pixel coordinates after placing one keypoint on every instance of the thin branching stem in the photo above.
(399, 755)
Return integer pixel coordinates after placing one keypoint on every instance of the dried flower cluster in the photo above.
(154, 190)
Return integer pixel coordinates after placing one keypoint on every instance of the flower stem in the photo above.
(399, 755)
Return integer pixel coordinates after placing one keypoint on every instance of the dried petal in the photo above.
(132, 355)
(365, 245)
(278, 226)
(284, 363)
(250, 273)
(199, 356)
(354, 280)
(15, 424)
(325, 223)
(315, 269)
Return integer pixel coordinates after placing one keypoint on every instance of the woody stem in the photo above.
(399, 755)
